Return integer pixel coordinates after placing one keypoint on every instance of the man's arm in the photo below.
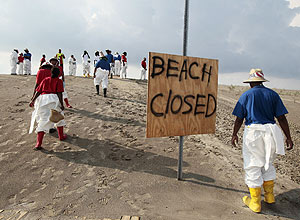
(60, 97)
(237, 125)
(31, 104)
(286, 130)
(95, 71)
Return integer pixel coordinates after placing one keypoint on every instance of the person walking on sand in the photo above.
(96, 58)
(43, 72)
(117, 66)
(143, 69)
(262, 139)
(110, 59)
(20, 63)
(27, 62)
(124, 65)
(48, 96)
(101, 73)
(72, 65)
(60, 56)
(14, 61)
(86, 60)
(55, 63)
(43, 60)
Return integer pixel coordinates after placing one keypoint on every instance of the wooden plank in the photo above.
(125, 217)
(182, 94)
(135, 218)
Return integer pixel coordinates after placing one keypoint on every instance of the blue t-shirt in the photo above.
(103, 64)
(117, 57)
(259, 105)
(110, 57)
(27, 56)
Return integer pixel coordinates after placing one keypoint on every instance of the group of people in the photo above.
(23, 61)
(118, 63)
(259, 106)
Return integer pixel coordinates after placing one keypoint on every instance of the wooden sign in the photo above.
(182, 95)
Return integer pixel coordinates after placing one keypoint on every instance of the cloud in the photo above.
(241, 34)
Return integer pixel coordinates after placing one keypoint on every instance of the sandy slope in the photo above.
(107, 168)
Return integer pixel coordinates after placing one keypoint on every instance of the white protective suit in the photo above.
(101, 75)
(27, 67)
(20, 69)
(143, 73)
(124, 71)
(117, 67)
(261, 143)
(72, 66)
(13, 62)
(86, 64)
(42, 110)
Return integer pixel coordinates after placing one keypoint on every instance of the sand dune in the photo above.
(107, 168)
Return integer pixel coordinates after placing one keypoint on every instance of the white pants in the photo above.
(143, 74)
(72, 69)
(42, 112)
(261, 143)
(13, 65)
(27, 67)
(86, 68)
(20, 69)
(101, 76)
(124, 71)
(117, 67)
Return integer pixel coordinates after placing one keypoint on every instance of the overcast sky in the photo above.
(240, 34)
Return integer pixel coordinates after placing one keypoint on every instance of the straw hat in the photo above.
(256, 75)
(55, 116)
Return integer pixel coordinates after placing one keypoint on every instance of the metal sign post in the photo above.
(185, 32)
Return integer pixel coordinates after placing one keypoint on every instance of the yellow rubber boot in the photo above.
(254, 203)
(269, 195)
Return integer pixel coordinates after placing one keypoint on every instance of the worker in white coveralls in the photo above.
(14, 61)
(72, 65)
(117, 67)
(86, 60)
(20, 63)
(262, 139)
(143, 69)
(124, 65)
(101, 73)
(48, 96)
(96, 58)
(27, 62)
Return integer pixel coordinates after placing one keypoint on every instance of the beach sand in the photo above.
(107, 168)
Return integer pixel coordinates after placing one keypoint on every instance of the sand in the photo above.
(107, 168)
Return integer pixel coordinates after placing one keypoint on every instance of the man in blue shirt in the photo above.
(27, 62)
(101, 73)
(110, 59)
(262, 139)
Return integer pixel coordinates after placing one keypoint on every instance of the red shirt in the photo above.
(144, 64)
(50, 86)
(41, 75)
(43, 60)
(20, 59)
(124, 59)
